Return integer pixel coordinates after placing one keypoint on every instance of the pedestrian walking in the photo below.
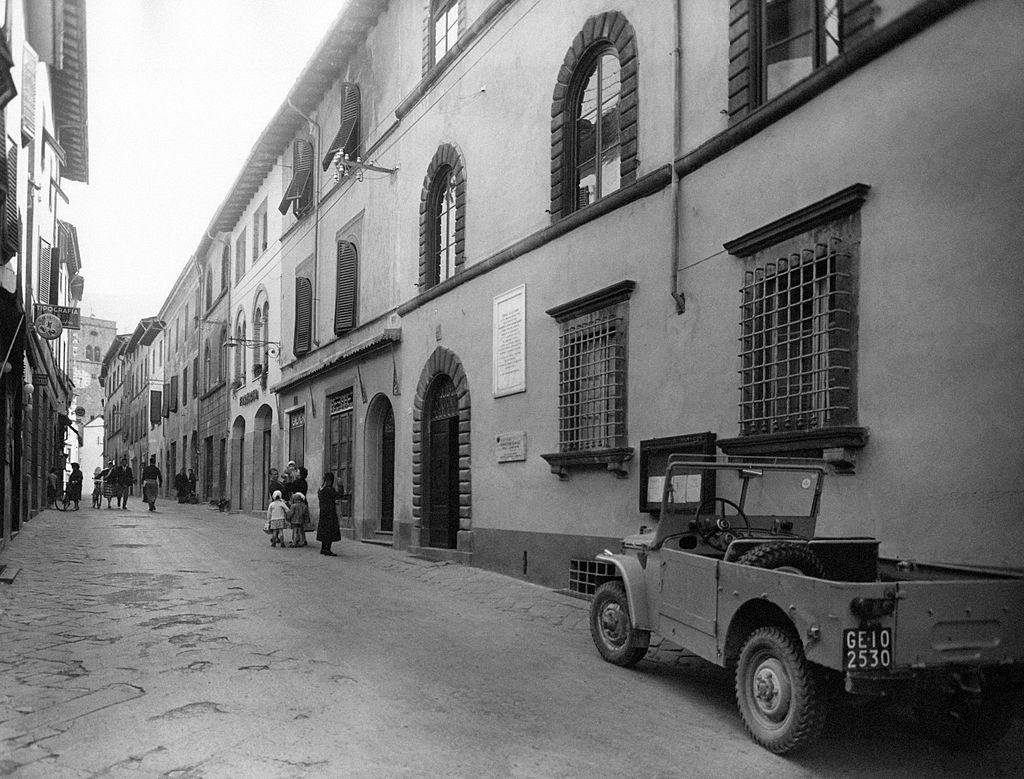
(181, 485)
(53, 480)
(97, 488)
(111, 481)
(152, 481)
(191, 485)
(74, 493)
(327, 529)
(298, 518)
(126, 480)
(277, 519)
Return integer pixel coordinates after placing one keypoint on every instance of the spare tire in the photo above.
(784, 556)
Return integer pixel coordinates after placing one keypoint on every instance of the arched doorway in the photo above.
(238, 462)
(262, 455)
(380, 472)
(442, 461)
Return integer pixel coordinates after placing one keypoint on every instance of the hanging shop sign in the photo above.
(48, 326)
(69, 316)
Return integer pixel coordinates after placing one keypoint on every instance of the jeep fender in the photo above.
(632, 576)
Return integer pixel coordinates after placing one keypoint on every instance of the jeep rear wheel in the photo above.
(777, 691)
(612, 627)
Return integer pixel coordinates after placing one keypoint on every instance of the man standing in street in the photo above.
(125, 480)
(152, 481)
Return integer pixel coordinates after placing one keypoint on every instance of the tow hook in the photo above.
(873, 608)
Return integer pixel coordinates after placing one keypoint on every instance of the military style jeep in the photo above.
(734, 573)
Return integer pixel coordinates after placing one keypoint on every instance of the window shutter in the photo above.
(165, 406)
(43, 292)
(12, 225)
(155, 402)
(858, 22)
(300, 188)
(195, 376)
(303, 314)
(347, 139)
(173, 403)
(345, 300)
(741, 59)
(28, 92)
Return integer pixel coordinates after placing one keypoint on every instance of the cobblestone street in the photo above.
(180, 644)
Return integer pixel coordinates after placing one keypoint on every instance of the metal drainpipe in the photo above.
(221, 349)
(677, 150)
(316, 217)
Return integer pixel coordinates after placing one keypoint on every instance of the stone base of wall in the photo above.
(541, 558)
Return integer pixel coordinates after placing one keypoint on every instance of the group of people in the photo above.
(289, 508)
(114, 482)
(185, 485)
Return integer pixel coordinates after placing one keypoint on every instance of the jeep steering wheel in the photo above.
(715, 530)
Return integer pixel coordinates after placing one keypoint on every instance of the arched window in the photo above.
(595, 139)
(207, 367)
(261, 329)
(222, 373)
(442, 218)
(442, 226)
(594, 110)
(240, 348)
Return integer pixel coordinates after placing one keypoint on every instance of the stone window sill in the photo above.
(836, 445)
(613, 460)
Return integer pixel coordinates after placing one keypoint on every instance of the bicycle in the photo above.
(61, 501)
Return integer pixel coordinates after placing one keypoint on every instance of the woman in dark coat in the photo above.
(74, 489)
(327, 530)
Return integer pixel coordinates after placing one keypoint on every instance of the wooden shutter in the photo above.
(165, 406)
(345, 299)
(301, 186)
(28, 92)
(303, 314)
(741, 59)
(172, 404)
(43, 291)
(12, 224)
(858, 21)
(195, 377)
(155, 403)
(347, 139)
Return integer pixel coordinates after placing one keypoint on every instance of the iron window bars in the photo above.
(592, 381)
(796, 342)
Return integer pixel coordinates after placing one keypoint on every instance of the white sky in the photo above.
(179, 90)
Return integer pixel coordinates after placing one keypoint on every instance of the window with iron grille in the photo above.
(297, 436)
(796, 343)
(798, 333)
(340, 443)
(592, 380)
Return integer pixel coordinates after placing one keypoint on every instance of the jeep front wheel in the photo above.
(612, 627)
(777, 691)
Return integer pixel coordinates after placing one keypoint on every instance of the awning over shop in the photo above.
(391, 335)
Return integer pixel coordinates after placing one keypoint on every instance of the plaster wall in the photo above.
(940, 360)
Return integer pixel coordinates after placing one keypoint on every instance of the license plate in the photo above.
(867, 648)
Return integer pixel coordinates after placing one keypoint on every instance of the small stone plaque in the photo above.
(511, 447)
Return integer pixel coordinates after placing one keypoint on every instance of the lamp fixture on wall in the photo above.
(345, 166)
(273, 347)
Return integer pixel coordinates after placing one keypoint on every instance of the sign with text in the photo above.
(511, 447)
(509, 342)
(69, 316)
